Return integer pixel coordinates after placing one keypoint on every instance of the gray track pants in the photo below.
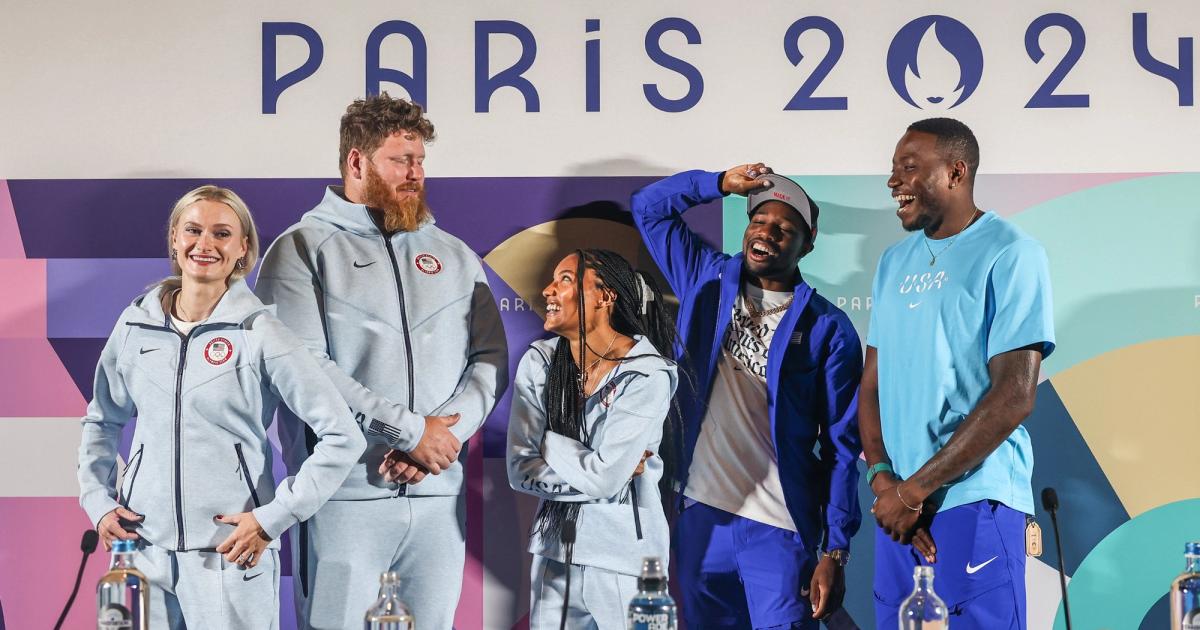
(200, 589)
(339, 553)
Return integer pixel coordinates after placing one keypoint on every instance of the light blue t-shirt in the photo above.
(935, 327)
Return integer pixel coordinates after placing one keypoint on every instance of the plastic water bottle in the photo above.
(923, 610)
(1185, 591)
(389, 612)
(122, 598)
(652, 608)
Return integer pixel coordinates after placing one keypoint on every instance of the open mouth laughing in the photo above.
(761, 251)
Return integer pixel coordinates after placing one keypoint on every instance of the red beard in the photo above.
(400, 213)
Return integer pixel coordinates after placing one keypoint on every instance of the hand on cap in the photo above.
(743, 179)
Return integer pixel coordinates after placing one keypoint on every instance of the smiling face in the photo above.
(921, 182)
(208, 241)
(775, 241)
(562, 300)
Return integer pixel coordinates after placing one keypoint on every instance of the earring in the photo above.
(240, 264)
(173, 253)
(952, 185)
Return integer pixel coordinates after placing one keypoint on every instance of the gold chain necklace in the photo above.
(587, 372)
(757, 314)
(933, 256)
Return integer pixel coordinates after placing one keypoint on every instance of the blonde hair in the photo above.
(235, 203)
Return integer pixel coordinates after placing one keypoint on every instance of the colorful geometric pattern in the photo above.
(1116, 411)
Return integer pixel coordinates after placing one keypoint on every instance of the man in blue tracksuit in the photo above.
(400, 315)
(766, 521)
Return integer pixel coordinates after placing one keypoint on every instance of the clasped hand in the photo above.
(898, 520)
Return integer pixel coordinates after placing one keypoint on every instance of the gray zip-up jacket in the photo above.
(625, 418)
(405, 326)
(204, 402)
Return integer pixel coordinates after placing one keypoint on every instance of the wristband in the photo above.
(878, 468)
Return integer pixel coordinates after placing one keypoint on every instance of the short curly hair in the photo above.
(368, 122)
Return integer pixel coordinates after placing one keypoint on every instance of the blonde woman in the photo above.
(203, 364)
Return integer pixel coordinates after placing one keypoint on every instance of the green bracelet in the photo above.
(878, 468)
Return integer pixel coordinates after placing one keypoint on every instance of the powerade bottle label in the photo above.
(114, 617)
(650, 621)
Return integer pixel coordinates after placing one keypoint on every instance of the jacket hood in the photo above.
(235, 307)
(336, 211)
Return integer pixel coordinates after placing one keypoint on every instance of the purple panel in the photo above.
(522, 327)
(79, 357)
(486, 211)
(84, 297)
(126, 218)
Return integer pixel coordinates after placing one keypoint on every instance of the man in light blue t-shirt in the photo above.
(960, 324)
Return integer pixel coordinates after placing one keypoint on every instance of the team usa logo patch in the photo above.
(218, 351)
(610, 394)
(428, 263)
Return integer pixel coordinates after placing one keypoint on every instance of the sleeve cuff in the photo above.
(97, 507)
(274, 519)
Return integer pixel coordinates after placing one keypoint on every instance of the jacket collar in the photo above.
(235, 307)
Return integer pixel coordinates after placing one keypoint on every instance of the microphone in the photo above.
(87, 545)
(1050, 503)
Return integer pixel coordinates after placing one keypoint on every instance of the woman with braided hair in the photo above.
(591, 422)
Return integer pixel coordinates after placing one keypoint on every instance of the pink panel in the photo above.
(1009, 194)
(34, 383)
(23, 309)
(40, 548)
(11, 245)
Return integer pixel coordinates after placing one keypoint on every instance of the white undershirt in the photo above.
(734, 466)
(183, 327)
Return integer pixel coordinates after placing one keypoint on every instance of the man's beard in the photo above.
(400, 214)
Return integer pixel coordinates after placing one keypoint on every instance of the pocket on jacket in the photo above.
(245, 473)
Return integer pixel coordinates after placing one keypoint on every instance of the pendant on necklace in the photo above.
(932, 259)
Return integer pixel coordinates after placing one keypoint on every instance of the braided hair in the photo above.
(637, 310)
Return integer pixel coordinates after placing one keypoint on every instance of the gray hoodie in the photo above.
(405, 326)
(625, 415)
(204, 402)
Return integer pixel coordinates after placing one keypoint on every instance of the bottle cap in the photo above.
(652, 568)
(923, 572)
(389, 577)
(124, 546)
(1192, 548)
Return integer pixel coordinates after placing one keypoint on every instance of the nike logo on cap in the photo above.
(973, 569)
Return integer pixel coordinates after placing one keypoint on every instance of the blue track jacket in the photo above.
(813, 367)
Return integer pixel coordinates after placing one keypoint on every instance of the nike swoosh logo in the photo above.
(358, 266)
(247, 578)
(913, 304)
(145, 350)
(973, 569)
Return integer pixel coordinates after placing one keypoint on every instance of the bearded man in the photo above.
(400, 314)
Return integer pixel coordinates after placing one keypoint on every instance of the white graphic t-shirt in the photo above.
(734, 467)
